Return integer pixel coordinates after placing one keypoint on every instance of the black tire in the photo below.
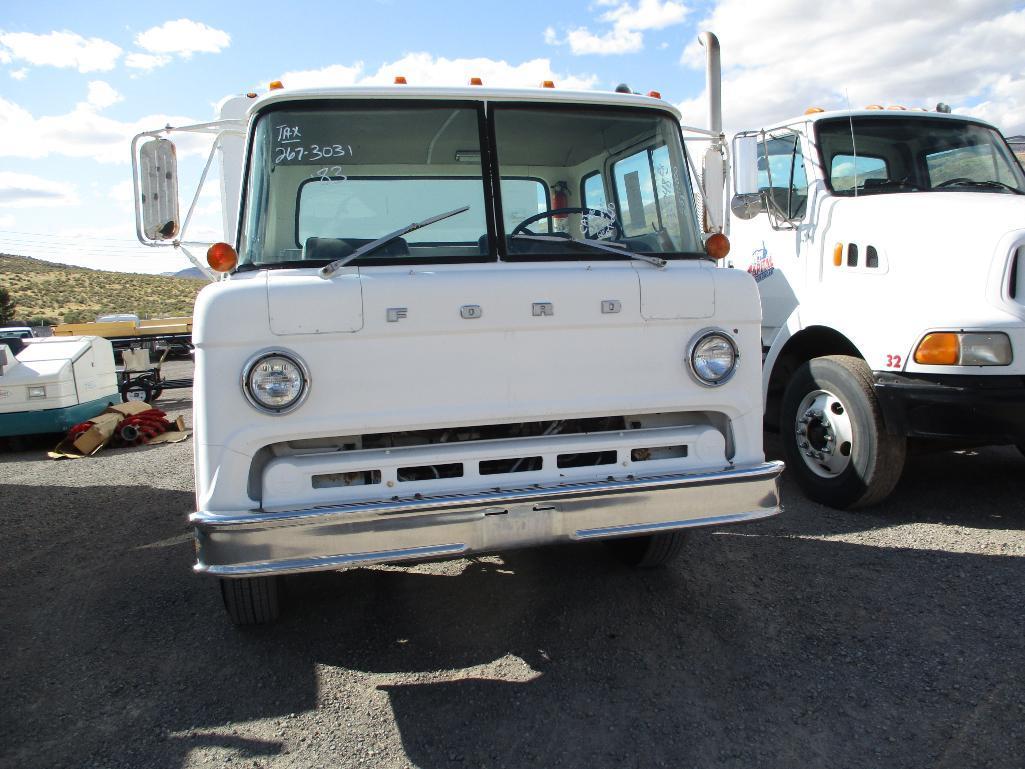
(858, 470)
(649, 551)
(140, 389)
(251, 600)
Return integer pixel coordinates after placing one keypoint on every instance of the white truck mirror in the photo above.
(713, 182)
(158, 190)
(745, 165)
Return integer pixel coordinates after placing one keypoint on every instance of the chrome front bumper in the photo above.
(331, 537)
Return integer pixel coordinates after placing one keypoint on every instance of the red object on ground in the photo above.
(141, 428)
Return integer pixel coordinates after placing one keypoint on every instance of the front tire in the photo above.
(649, 551)
(251, 600)
(834, 439)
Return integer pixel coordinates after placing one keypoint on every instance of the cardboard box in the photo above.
(99, 435)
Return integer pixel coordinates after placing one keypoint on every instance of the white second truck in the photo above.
(889, 250)
(460, 320)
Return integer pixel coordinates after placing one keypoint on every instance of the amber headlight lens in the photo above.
(713, 358)
(275, 382)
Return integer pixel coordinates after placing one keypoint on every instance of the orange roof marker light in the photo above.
(276, 85)
(548, 84)
(813, 110)
(251, 95)
(874, 106)
(476, 81)
(717, 245)
(400, 80)
(654, 94)
(897, 106)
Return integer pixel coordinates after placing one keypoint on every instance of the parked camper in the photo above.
(889, 250)
(461, 320)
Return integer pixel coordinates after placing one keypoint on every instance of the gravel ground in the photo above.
(893, 638)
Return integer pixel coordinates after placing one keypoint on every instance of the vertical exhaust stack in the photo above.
(714, 164)
(713, 80)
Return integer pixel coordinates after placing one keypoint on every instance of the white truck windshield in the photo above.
(908, 154)
(326, 181)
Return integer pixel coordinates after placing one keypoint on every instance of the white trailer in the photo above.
(54, 384)
(460, 320)
(889, 250)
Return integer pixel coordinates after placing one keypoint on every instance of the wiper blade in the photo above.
(330, 269)
(612, 249)
(988, 183)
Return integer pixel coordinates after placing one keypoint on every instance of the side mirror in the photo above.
(745, 165)
(713, 183)
(158, 190)
(747, 205)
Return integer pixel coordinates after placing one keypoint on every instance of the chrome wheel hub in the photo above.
(824, 435)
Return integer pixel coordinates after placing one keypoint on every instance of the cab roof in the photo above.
(912, 114)
(465, 93)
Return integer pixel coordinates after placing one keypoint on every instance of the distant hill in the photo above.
(61, 293)
(188, 272)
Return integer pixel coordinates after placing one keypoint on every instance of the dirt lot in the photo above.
(894, 638)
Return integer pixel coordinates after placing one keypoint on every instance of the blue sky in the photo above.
(77, 80)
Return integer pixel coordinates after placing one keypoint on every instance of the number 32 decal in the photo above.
(893, 361)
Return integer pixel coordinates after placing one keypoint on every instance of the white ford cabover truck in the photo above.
(889, 250)
(461, 320)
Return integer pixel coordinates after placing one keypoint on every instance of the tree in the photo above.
(7, 306)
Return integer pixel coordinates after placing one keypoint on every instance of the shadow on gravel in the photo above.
(981, 488)
(753, 650)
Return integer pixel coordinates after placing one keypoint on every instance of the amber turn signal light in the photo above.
(838, 254)
(942, 349)
(717, 245)
(221, 257)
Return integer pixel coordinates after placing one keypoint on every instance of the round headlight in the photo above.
(275, 382)
(713, 358)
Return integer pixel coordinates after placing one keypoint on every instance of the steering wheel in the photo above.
(522, 226)
(955, 180)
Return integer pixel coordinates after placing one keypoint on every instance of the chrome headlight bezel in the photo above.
(692, 349)
(291, 357)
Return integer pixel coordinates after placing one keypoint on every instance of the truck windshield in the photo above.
(326, 180)
(913, 154)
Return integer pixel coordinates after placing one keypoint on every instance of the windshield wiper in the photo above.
(330, 269)
(610, 248)
(988, 184)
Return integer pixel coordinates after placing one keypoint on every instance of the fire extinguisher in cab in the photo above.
(560, 199)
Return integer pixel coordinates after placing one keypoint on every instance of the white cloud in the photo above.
(183, 37)
(780, 59)
(82, 132)
(333, 75)
(628, 21)
(425, 69)
(19, 74)
(25, 190)
(146, 61)
(7, 222)
(101, 94)
(59, 49)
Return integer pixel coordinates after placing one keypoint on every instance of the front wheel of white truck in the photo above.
(251, 600)
(834, 439)
(649, 551)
